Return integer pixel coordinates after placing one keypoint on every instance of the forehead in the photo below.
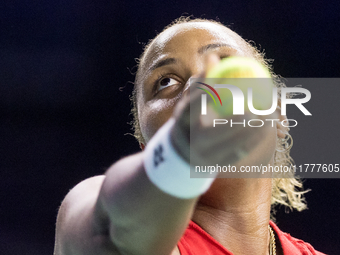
(189, 37)
(196, 30)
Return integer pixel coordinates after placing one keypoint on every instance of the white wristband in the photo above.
(168, 170)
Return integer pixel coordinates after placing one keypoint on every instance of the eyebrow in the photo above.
(213, 46)
(169, 61)
(164, 62)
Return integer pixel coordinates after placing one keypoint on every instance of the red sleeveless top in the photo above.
(196, 241)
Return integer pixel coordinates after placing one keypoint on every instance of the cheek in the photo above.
(154, 114)
(270, 144)
(274, 139)
(263, 152)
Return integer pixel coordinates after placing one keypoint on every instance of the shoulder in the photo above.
(292, 245)
(78, 228)
(83, 196)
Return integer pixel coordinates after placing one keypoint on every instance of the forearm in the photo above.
(143, 218)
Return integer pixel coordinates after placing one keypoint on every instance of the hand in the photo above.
(200, 143)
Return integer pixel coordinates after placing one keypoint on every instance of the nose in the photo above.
(188, 84)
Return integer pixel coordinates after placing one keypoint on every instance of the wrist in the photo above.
(168, 170)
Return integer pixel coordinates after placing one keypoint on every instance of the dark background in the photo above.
(63, 116)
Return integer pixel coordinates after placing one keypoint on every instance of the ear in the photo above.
(142, 146)
(281, 130)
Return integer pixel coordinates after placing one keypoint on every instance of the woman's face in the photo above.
(174, 56)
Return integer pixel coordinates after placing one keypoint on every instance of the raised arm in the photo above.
(121, 213)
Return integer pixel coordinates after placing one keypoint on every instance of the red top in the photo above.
(196, 241)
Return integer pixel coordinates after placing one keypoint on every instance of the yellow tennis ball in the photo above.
(231, 71)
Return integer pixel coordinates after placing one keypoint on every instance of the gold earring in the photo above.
(284, 144)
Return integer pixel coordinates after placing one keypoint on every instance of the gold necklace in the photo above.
(272, 244)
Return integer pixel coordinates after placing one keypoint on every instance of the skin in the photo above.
(246, 196)
(124, 213)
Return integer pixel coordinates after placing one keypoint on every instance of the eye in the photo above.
(224, 56)
(164, 82)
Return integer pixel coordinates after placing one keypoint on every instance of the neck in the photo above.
(237, 217)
